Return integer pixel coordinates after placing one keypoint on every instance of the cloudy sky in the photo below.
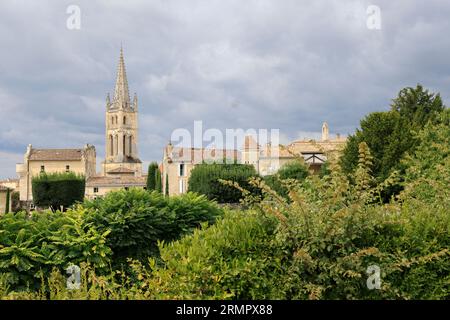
(274, 64)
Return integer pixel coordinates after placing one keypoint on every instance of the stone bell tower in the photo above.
(121, 120)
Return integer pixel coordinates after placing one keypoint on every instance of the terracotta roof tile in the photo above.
(116, 181)
(56, 154)
(121, 170)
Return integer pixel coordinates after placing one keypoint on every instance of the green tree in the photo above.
(151, 177)
(58, 190)
(296, 169)
(158, 182)
(8, 196)
(205, 178)
(390, 135)
(167, 184)
(15, 201)
(137, 220)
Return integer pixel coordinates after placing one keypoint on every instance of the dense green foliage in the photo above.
(58, 190)
(31, 246)
(205, 178)
(320, 244)
(8, 199)
(137, 220)
(153, 177)
(167, 185)
(103, 233)
(158, 181)
(293, 170)
(15, 201)
(390, 135)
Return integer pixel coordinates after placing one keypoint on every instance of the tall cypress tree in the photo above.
(167, 184)
(8, 195)
(158, 182)
(151, 178)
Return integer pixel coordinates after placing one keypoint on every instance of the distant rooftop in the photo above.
(56, 154)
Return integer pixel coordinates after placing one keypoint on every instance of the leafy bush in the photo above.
(154, 178)
(30, 247)
(205, 178)
(296, 170)
(137, 220)
(58, 189)
(390, 135)
(320, 244)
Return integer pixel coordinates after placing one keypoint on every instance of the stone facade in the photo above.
(3, 196)
(122, 167)
(79, 161)
(12, 184)
(268, 159)
(178, 163)
(314, 152)
(121, 120)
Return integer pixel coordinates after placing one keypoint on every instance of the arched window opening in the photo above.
(116, 144)
(111, 145)
(124, 120)
(130, 145)
(123, 146)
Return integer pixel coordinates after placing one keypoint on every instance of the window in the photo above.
(96, 190)
(67, 168)
(42, 168)
(181, 186)
(181, 170)
(124, 151)
(130, 145)
(124, 120)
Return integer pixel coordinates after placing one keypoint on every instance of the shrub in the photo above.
(205, 178)
(58, 190)
(319, 245)
(137, 220)
(30, 247)
(293, 170)
(153, 183)
(8, 199)
(390, 135)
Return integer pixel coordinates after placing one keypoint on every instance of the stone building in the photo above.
(268, 159)
(12, 184)
(3, 196)
(178, 163)
(122, 167)
(36, 161)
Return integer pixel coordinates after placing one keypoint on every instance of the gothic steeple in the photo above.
(121, 94)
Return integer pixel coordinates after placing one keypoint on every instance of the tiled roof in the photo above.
(9, 180)
(56, 154)
(96, 181)
(121, 170)
(203, 154)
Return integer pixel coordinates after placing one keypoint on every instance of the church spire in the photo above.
(121, 93)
